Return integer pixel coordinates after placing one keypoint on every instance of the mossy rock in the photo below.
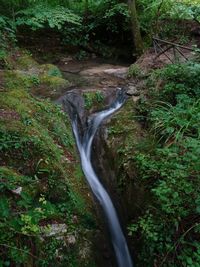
(123, 135)
(17, 79)
(38, 155)
(17, 183)
(40, 179)
(20, 60)
(54, 82)
(51, 70)
(135, 71)
(26, 62)
(93, 100)
(51, 87)
(42, 80)
(45, 81)
(10, 177)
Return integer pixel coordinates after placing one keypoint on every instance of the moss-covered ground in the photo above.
(41, 183)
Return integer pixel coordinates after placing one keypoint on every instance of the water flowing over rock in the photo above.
(84, 138)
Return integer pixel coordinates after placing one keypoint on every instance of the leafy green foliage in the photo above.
(55, 72)
(101, 19)
(135, 71)
(39, 184)
(7, 36)
(89, 24)
(41, 16)
(93, 98)
(173, 122)
(118, 11)
(150, 12)
(186, 10)
(169, 225)
(159, 17)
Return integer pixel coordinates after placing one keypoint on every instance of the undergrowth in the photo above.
(93, 99)
(40, 180)
(168, 229)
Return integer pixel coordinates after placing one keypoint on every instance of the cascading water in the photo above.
(84, 144)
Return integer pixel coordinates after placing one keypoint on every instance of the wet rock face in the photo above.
(133, 91)
(94, 85)
(121, 136)
(96, 93)
(117, 72)
(93, 74)
(74, 102)
(86, 102)
(73, 99)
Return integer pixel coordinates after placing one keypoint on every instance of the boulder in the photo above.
(55, 229)
(133, 91)
(119, 72)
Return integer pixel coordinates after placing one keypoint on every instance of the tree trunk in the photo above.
(135, 27)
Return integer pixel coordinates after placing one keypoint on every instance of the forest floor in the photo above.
(42, 124)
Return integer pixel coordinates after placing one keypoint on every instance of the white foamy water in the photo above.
(84, 146)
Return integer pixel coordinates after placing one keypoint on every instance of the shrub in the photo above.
(177, 79)
(173, 122)
(42, 16)
(135, 71)
(169, 226)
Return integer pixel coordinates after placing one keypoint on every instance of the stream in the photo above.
(84, 144)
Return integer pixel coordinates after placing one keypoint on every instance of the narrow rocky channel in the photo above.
(84, 144)
(90, 78)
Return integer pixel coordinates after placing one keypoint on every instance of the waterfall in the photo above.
(84, 144)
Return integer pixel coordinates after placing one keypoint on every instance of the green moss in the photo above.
(125, 126)
(42, 80)
(93, 99)
(135, 71)
(38, 123)
(124, 138)
(50, 86)
(25, 62)
(51, 70)
(10, 177)
(19, 59)
(52, 77)
(16, 80)
(37, 154)
(54, 82)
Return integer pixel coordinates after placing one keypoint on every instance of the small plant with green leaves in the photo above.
(40, 16)
(135, 71)
(173, 122)
(99, 96)
(39, 185)
(170, 171)
(176, 79)
(93, 98)
(35, 80)
(55, 72)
